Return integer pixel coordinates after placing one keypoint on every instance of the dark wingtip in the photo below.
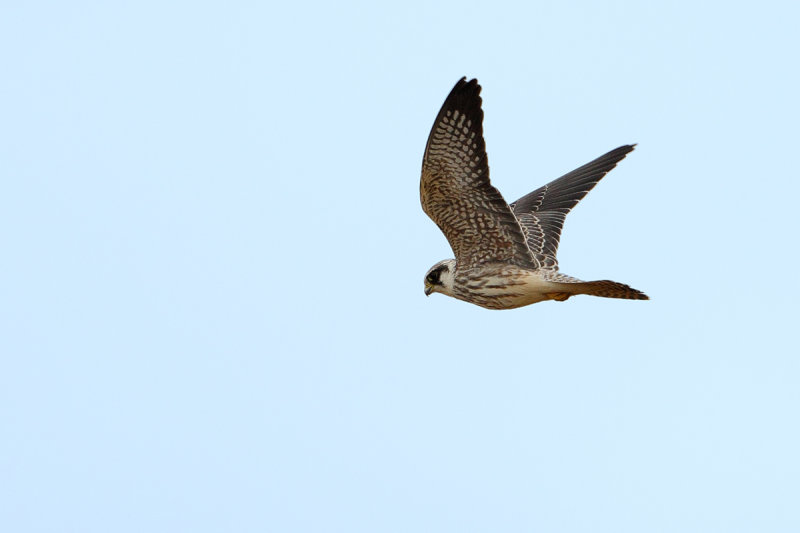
(623, 150)
(464, 89)
(466, 98)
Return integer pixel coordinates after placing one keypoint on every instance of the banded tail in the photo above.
(609, 289)
(603, 288)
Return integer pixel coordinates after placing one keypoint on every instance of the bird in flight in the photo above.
(505, 254)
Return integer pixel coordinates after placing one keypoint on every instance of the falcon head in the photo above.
(441, 277)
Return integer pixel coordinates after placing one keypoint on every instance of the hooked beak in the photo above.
(428, 289)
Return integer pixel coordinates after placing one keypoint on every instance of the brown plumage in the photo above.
(505, 254)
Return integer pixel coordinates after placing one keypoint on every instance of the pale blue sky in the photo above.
(211, 299)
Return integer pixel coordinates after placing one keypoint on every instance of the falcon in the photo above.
(505, 254)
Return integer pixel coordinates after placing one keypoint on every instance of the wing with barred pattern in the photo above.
(541, 213)
(455, 190)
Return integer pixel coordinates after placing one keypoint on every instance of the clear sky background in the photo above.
(212, 315)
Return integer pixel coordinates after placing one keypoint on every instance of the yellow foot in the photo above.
(558, 296)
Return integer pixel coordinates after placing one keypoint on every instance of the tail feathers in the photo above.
(608, 289)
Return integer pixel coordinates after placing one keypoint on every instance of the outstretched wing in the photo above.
(542, 212)
(455, 190)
